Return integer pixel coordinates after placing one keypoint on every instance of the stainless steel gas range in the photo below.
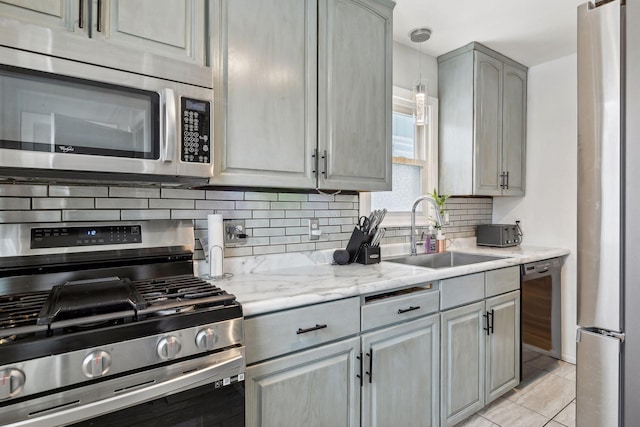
(105, 324)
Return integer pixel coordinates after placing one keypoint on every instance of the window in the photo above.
(415, 163)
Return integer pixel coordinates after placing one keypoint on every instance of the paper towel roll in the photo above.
(215, 236)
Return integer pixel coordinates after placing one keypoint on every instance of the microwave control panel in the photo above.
(196, 131)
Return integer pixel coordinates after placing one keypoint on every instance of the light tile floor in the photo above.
(545, 397)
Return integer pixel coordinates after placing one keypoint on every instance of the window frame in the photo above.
(427, 148)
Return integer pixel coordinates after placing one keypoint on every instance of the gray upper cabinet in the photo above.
(305, 95)
(514, 129)
(56, 15)
(483, 97)
(266, 121)
(163, 38)
(170, 28)
(355, 44)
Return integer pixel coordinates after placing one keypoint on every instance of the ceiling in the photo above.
(530, 32)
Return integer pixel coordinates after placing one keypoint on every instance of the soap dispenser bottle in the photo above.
(441, 242)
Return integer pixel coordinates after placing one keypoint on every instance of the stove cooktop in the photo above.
(89, 302)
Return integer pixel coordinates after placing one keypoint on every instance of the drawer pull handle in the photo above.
(411, 308)
(361, 362)
(315, 328)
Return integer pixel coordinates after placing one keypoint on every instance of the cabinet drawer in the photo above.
(503, 280)
(461, 290)
(291, 330)
(410, 304)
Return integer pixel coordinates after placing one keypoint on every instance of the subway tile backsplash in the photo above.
(275, 222)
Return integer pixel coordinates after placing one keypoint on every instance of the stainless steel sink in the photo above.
(444, 259)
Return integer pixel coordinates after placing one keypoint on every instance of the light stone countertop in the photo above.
(271, 283)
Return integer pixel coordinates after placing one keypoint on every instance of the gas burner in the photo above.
(171, 311)
(20, 310)
(91, 325)
(7, 339)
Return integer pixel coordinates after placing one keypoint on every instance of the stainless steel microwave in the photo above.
(70, 120)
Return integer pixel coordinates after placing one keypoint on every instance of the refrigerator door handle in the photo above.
(617, 335)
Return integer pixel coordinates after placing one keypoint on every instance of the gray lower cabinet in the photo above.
(463, 353)
(302, 366)
(480, 355)
(482, 111)
(502, 371)
(401, 365)
(305, 96)
(316, 387)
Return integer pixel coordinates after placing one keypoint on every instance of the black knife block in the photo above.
(368, 255)
(357, 241)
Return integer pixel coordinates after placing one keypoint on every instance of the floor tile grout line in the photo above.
(565, 407)
(542, 415)
(488, 420)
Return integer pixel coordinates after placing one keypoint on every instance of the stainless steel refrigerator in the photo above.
(608, 339)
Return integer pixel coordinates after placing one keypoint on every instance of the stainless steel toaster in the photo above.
(498, 235)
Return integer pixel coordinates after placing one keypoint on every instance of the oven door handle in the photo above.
(117, 402)
(167, 151)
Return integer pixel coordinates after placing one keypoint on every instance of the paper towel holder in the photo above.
(215, 252)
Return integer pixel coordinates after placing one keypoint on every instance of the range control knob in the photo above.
(206, 339)
(96, 364)
(168, 348)
(11, 383)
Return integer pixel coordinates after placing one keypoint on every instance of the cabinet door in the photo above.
(503, 345)
(402, 364)
(514, 126)
(266, 120)
(488, 125)
(313, 388)
(462, 374)
(50, 14)
(355, 42)
(169, 28)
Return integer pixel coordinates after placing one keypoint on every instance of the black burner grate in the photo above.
(20, 310)
(175, 287)
(180, 291)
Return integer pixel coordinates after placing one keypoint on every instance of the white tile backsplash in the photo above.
(274, 222)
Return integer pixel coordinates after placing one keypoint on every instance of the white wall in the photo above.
(406, 68)
(548, 211)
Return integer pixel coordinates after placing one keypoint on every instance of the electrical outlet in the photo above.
(234, 232)
(314, 229)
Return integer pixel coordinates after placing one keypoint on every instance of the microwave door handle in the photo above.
(169, 140)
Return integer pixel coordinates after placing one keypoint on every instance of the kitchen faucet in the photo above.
(413, 219)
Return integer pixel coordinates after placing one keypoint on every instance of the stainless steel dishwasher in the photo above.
(541, 302)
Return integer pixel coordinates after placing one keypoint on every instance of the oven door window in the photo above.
(203, 406)
(51, 113)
